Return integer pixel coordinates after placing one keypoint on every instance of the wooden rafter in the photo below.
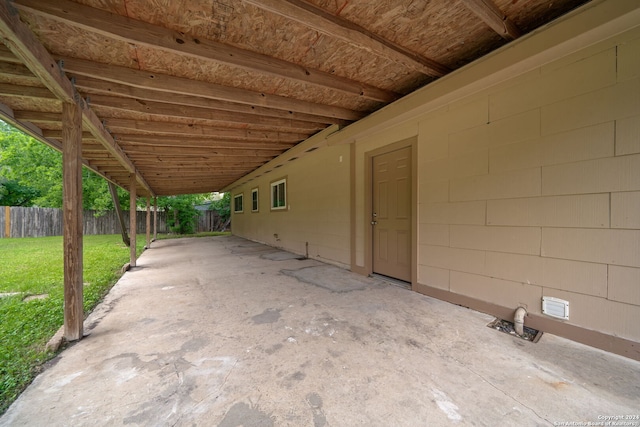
(181, 85)
(127, 126)
(25, 46)
(177, 110)
(349, 32)
(209, 144)
(132, 141)
(494, 18)
(142, 33)
(104, 87)
(38, 116)
(197, 151)
(26, 91)
(161, 161)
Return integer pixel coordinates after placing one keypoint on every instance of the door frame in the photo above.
(368, 203)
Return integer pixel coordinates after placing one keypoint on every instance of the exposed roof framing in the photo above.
(26, 47)
(493, 17)
(192, 96)
(140, 32)
(335, 26)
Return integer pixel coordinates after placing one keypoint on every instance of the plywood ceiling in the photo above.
(192, 95)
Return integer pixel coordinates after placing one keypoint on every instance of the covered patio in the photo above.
(224, 331)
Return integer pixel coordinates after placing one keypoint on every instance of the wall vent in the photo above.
(555, 307)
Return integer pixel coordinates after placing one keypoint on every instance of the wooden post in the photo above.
(7, 222)
(72, 219)
(148, 222)
(132, 219)
(155, 218)
(116, 204)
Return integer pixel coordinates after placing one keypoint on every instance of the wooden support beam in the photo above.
(185, 111)
(148, 222)
(187, 130)
(37, 116)
(195, 188)
(72, 220)
(181, 85)
(145, 34)
(57, 134)
(26, 91)
(155, 218)
(132, 219)
(119, 214)
(212, 143)
(18, 70)
(136, 150)
(172, 176)
(27, 48)
(104, 87)
(189, 163)
(7, 56)
(150, 169)
(494, 18)
(336, 27)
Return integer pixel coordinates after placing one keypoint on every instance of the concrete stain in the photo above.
(270, 315)
(298, 376)
(315, 402)
(242, 414)
(273, 348)
(331, 278)
(195, 344)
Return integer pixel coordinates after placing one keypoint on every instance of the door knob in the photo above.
(374, 222)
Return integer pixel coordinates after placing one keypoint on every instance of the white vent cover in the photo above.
(555, 307)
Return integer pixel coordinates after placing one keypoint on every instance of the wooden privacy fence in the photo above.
(42, 222)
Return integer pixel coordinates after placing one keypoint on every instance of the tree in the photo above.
(34, 169)
(13, 193)
(32, 164)
(182, 212)
(223, 207)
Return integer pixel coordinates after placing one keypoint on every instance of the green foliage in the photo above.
(181, 211)
(12, 193)
(31, 164)
(223, 206)
(33, 266)
(34, 165)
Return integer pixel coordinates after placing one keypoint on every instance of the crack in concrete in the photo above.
(441, 353)
(218, 391)
(505, 393)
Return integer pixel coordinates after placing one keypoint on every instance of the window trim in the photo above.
(239, 196)
(257, 200)
(271, 187)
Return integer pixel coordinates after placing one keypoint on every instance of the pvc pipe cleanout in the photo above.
(518, 320)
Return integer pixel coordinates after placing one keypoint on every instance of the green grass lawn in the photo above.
(33, 266)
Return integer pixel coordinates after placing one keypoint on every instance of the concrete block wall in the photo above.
(318, 197)
(531, 188)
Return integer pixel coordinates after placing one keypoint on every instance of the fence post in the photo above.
(7, 222)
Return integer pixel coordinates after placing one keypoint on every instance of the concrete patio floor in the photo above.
(223, 331)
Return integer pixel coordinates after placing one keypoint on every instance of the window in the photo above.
(238, 203)
(254, 200)
(279, 195)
